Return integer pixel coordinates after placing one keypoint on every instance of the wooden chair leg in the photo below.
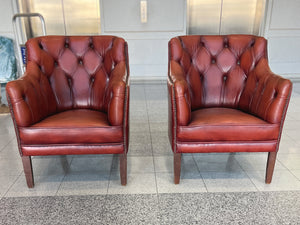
(27, 165)
(177, 167)
(123, 169)
(270, 166)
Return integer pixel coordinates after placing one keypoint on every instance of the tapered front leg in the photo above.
(270, 166)
(27, 165)
(123, 168)
(177, 167)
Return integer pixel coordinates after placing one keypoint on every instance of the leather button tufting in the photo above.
(58, 111)
(69, 81)
(227, 111)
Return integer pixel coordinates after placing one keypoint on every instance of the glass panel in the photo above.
(82, 17)
(53, 14)
(63, 17)
(238, 16)
(204, 16)
(225, 16)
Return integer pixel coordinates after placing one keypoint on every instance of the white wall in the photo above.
(6, 14)
(147, 42)
(282, 29)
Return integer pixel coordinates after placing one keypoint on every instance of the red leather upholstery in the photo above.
(73, 97)
(223, 96)
(214, 124)
(81, 126)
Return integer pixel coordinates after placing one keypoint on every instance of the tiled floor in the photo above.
(150, 165)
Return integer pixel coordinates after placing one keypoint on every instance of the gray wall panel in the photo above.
(124, 16)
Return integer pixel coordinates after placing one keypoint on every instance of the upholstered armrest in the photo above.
(181, 93)
(266, 94)
(116, 92)
(30, 97)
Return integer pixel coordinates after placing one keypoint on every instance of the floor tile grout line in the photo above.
(62, 180)
(294, 175)
(257, 189)
(200, 173)
(18, 177)
(283, 164)
(11, 140)
(295, 141)
(147, 109)
(111, 171)
(60, 184)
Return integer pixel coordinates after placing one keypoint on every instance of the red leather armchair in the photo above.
(72, 99)
(224, 98)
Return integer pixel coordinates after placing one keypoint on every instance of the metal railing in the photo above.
(21, 55)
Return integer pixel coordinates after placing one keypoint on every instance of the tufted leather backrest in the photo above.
(217, 68)
(78, 68)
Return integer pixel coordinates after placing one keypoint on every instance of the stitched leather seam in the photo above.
(124, 121)
(175, 117)
(173, 102)
(15, 124)
(18, 100)
(125, 101)
(62, 128)
(174, 113)
(222, 142)
(282, 118)
(225, 125)
(75, 144)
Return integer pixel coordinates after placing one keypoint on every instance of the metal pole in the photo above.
(16, 32)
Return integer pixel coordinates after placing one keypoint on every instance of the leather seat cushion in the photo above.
(80, 126)
(226, 124)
